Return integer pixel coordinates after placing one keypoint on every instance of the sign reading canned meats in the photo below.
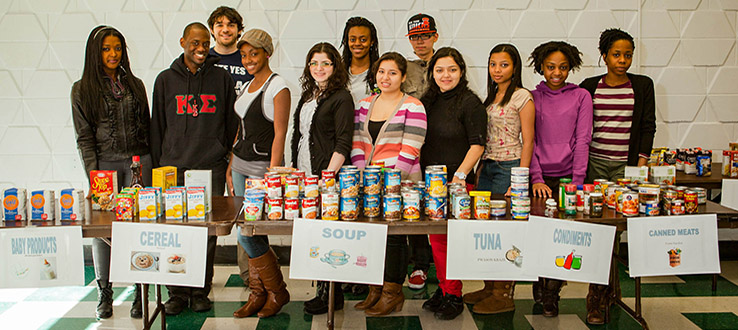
(487, 250)
(674, 245)
(41, 257)
(569, 250)
(338, 251)
(158, 254)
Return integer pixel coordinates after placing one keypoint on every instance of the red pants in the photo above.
(438, 245)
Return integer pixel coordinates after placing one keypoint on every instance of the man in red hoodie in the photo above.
(193, 126)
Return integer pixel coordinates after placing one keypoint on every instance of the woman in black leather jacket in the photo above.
(111, 121)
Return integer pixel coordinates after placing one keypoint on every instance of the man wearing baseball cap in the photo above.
(422, 33)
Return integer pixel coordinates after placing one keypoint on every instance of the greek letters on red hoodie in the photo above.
(193, 123)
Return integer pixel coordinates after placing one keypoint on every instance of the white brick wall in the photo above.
(686, 46)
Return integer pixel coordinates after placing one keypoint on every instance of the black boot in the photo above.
(434, 302)
(538, 291)
(451, 307)
(551, 290)
(319, 304)
(104, 300)
(136, 307)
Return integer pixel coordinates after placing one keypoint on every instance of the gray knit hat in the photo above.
(259, 39)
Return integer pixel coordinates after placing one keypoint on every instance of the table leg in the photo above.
(145, 305)
(331, 305)
(160, 307)
(714, 282)
(636, 314)
(159, 310)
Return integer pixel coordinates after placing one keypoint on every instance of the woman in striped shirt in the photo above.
(623, 131)
(390, 128)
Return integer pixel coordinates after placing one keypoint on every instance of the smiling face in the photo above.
(556, 69)
(423, 44)
(253, 59)
(225, 31)
(389, 77)
(112, 51)
(619, 57)
(195, 45)
(321, 68)
(446, 73)
(359, 41)
(501, 68)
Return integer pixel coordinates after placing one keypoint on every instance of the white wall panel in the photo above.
(687, 46)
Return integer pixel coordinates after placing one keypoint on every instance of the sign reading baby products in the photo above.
(487, 250)
(569, 250)
(675, 245)
(338, 251)
(158, 254)
(41, 257)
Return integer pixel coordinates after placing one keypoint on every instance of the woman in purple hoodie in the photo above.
(562, 136)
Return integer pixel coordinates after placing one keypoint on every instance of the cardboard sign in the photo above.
(41, 257)
(487, 250)
(339, 251)
(569, 250)
(674, 245)
(729, 193)
(158, 254)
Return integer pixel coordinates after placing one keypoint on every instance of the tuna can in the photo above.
(498, 208)
(519, 171)
(520, 208)
(519, 193)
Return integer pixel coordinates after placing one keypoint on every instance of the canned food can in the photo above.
(701, 195)
(690, 201)
(372, 182)
(410, 205)
(329, 178)
(392, 181)
(275, 209)
(392, 207)
(498, 208)
(630, 204)
(274, 186)
(680, 191)
(521, 201)
(462, 207)
(329, 206)
(349, 208)
(437, 184)
(652, 208)
(309, 207)
(406, 184)
(371, 206)
(677, 207)
(519, 193)
(611, 196)
(618, 198)
(519, 179)
(292, 186)
(291, 208)
(436, 208)
(519, 171)
(481, 207)
(253, 204)
(518, 186)
(348, 184)
(520, 213)
(310, 188)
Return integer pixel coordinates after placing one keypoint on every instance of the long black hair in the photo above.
(609, 37)
(92, 82)
(433, 90)
(516, 80)
(337, 81)
(373, 49)
(539, 54)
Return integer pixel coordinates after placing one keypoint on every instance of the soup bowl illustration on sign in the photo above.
(514, 255)
(569, 261)
(675, 257)
(336, 258)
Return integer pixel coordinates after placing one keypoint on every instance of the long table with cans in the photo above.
(99, 224)
(727, 218)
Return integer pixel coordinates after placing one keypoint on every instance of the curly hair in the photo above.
(373, 49)
(433, 90)
(229, 13)
(609, 37)
(337, 81)
(539, 54)
(516, 80)
(394, 57)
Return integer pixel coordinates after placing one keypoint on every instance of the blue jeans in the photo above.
(495, 176)
(239, 183)
(255, 246)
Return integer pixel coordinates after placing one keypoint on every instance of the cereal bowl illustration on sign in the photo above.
(569, 262)
(144, 261)
(336, 258)
(177, 263)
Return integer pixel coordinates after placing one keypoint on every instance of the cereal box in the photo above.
(164, 177)
(148, 204)
(174, 204)
(663, 174)
(14, 204)
(71, 205)
(196, 203)
(41, 206)
(124, 207)
(103, 189)
(201, 178)
(133, 191)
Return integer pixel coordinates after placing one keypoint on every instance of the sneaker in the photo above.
(417, 279)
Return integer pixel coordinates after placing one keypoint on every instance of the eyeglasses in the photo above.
(321, 64)
(426, 36)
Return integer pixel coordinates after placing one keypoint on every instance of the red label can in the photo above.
(292, 186)
(274, 186)
(690, 201)
(329, 178)
(291, 208)
(310, 208)
(311, 186)
(275, 209)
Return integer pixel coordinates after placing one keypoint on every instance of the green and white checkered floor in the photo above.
(684, 302)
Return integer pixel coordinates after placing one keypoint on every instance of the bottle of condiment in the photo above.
(580, 198)
(551, 207)
(570, 194)
(596, 203)
(587, 190)
(562, 192)
(136, 174)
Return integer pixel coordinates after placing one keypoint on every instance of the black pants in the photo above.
(421, 251)
(553, 183)
(395, 260)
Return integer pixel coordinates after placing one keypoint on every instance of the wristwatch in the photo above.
(460, 175)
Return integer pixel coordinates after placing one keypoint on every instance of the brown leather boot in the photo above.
(594, 303)
(500, 301)
(392, 299)
(375, 292)
(551, 290)
(271, 276)
(257, 297)
(538, 291)
(477, 296)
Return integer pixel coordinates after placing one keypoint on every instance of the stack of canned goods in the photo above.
(348, 182)
(520, 202)
(436, 180)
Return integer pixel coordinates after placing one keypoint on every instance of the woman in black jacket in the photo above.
(110, 112)
(323, 131)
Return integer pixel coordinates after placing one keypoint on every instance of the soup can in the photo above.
(348, 184)
(372, 182)
(274, 212)
(349, 208)
(410, 205)
(392, 181)
(371, 206)
(274, 186)
(291, 208)
(329, 206)
(436, 208)
(437, 184)
(309, 207)
(310, 186)
(329, 178)
(392, 207)
(292, 186)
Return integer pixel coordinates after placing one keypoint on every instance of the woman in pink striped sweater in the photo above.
(389, 127)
